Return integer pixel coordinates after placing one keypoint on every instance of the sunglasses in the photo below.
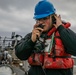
(45, 18)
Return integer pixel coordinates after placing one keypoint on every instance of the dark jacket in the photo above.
(25, 47)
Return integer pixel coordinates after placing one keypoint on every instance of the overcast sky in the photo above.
(17, 15)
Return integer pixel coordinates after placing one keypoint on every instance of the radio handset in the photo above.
(53, 20)
(41, 26)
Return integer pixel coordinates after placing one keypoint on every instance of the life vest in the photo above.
(57, 59)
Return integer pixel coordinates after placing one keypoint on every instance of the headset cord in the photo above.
(41, 66)
(40, 62)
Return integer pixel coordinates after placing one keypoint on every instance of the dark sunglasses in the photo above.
(45, 18)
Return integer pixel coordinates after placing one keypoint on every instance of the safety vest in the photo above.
(57, 59)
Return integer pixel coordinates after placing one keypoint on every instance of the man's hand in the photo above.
(58, 21)
(36, 32)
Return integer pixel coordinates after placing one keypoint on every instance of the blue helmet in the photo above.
(43, 8)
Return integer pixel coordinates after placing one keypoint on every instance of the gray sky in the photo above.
(17, 15)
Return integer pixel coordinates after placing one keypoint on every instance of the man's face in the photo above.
(47, 22)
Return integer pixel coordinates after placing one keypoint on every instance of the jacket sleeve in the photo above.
(69, 39)
(24, 48)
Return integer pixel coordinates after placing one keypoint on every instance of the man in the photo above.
(50, 45)
(1, 57)
(7, 57)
